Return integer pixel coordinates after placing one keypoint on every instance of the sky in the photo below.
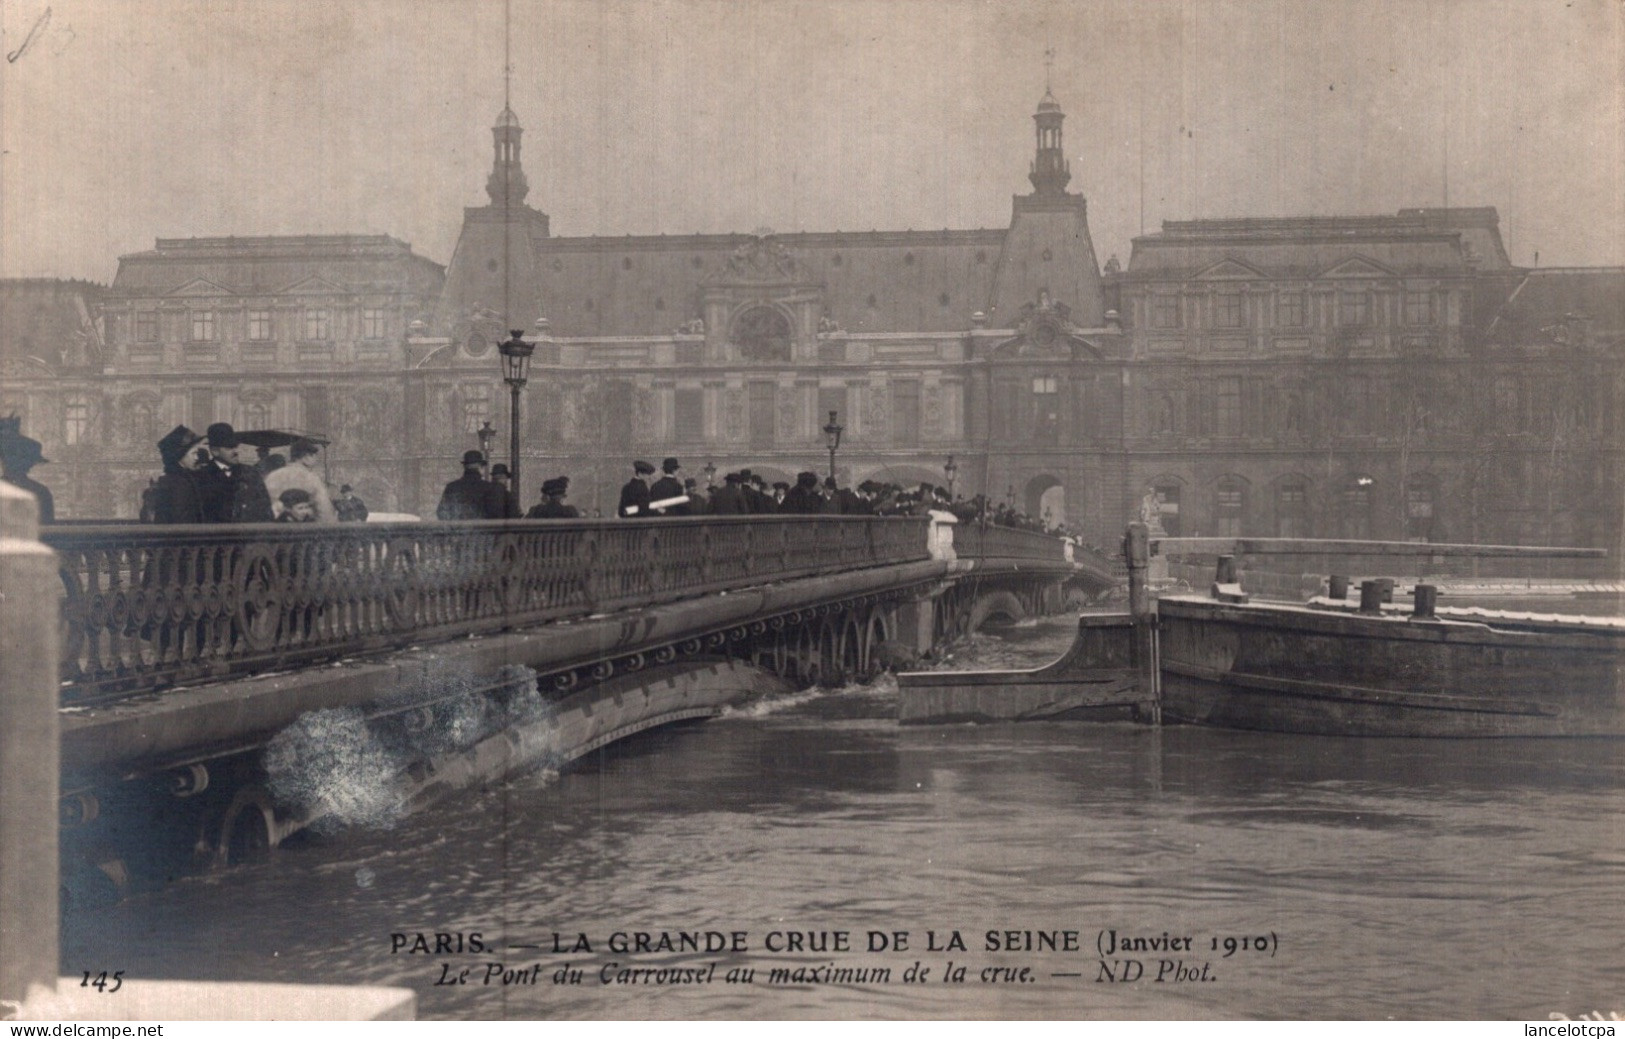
(126, 121)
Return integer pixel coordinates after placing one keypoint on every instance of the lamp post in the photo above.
(710, 472)
(515, 367)
(951, 471)
(486, 433)
(832, 437)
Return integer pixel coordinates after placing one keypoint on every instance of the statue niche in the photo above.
(762, 334)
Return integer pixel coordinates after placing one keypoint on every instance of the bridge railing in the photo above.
(152, 606)
(1014, 544)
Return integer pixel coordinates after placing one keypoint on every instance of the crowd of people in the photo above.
(214, 477)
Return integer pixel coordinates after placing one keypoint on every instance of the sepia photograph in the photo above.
(869, 510)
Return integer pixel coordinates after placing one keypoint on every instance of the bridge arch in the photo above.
(1001, 604)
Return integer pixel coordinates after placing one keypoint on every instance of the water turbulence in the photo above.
(339, 768)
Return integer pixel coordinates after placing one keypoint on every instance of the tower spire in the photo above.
(1049, 170)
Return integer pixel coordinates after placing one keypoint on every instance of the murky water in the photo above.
(1412, 879)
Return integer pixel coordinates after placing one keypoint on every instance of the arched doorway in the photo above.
(1045, 500)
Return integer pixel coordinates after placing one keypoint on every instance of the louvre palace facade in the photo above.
(1372, 376)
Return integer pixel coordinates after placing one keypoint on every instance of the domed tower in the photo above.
(1049, 170)
(507, 184)
(1048, 251)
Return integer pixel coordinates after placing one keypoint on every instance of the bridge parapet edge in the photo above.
(151, 606)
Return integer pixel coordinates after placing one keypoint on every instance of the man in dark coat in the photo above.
(729, 499)
(755, 496)
(250, 502)
(803, 499)
(552, 505)
(503, 503)
(469, 496)
(176, 497)
(19, 454)
(635, 495)
(351, 509)
(669, 486)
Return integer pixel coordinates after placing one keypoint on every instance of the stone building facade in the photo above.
(1385, 377)
(300, 333)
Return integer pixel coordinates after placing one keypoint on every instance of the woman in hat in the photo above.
(552, 506)
(177, 498)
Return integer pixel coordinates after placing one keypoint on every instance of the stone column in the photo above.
(28, 753)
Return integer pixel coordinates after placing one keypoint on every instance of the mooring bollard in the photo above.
(1337, 586)
(1371, 597)
(28, 755)
(1427, 599)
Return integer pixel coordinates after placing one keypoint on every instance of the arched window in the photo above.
(1292, 508)
(1229, 506)
(762, 334)
(1355, 514)
(1421, 518)
(1167, 491)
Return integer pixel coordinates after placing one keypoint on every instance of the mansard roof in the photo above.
(1416, 241)
(649, 284)
(250, 266)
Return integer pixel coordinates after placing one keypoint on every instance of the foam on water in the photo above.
(336, 769)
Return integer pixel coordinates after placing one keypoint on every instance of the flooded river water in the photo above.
(1123, 871)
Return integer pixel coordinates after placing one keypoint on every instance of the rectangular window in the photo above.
(1292, 511)
(831, 398)
(372, 322)
(75, 419)
(259, 325)
(761, 414)
(202, 326)
(1228, 510)
(1046, 426)
(905, 409)
(316, 411)
(1228, 310)
(146, 326)
(1353, 308)
(1290, 310)
(1164, 311)
(202, 406)
(1227, 416)
(1419, 308)
(316, 326)
(688, 410)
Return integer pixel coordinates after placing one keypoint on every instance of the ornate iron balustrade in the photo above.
(151, 606)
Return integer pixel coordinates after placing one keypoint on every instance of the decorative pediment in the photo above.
(762, 260)
(202, 287)
(1229, 269)
(1046, 332)
(1358, 267)
(314, 285)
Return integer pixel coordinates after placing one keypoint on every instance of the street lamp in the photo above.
(515, 366)
(710, 472)
(950, 470)
(832, 437)
(486, 433)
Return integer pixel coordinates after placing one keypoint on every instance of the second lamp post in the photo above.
(515, 370)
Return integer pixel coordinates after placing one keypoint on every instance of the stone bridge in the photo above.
(199, 666)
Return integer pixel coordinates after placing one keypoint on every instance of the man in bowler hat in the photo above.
(670, 486)
(469, 496)
(635, 495)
